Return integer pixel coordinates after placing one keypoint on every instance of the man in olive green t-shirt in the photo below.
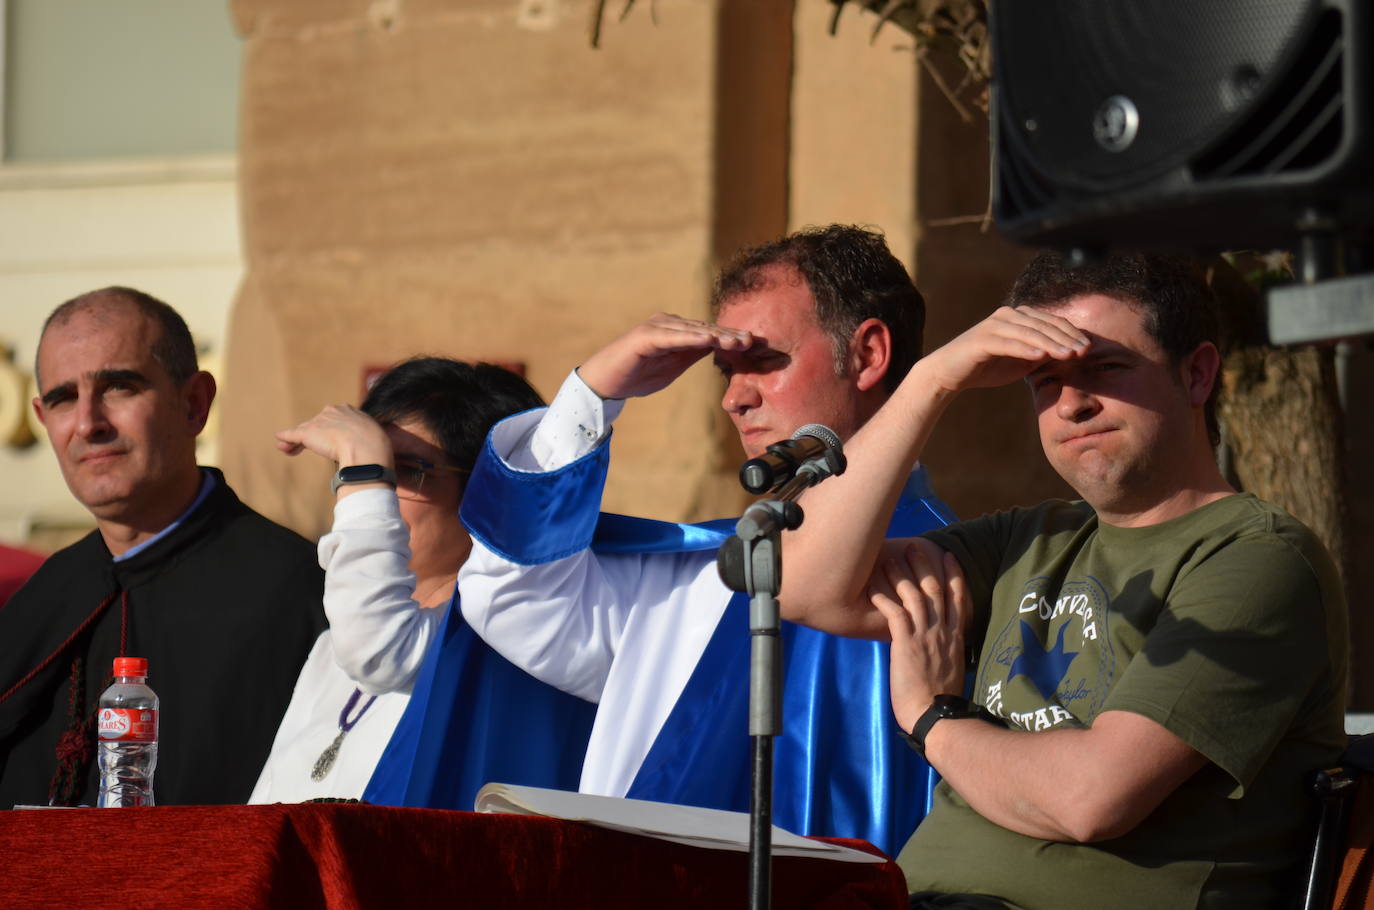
(1158, 665)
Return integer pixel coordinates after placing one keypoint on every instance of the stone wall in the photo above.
(472, 180)
(478, 181)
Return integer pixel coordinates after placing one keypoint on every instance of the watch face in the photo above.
(952, 706)
(360, 473)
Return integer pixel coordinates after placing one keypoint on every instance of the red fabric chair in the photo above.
(16, 566)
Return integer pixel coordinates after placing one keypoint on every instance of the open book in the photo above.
(711, 828)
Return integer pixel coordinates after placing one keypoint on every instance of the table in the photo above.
(331, 855)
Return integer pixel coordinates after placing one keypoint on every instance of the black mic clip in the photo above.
(811, 455)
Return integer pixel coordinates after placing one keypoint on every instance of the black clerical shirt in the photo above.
(225, 608)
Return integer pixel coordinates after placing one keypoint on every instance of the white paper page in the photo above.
(690, 825)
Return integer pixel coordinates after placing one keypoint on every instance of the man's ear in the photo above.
(870, 353)
(198, 394)
(1200, 370)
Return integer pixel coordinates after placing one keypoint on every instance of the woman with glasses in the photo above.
(391, 562)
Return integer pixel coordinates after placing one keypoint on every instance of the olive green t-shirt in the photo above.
(1226, 625)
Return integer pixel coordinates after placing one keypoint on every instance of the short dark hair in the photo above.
(1172, 294)
(174, 350)
(852, 275)
(458, 402)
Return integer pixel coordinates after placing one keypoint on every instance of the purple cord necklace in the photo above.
(325, 763)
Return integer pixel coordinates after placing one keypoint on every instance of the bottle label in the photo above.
(130, 725)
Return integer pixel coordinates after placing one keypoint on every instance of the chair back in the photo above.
(1340, 869)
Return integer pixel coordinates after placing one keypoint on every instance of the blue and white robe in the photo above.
(472, 716)
(631, 614)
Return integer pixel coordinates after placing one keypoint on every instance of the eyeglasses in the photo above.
(411, 471)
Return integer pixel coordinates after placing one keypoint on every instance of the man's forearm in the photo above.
(830, 558)
(379, 632)
(1075, 785)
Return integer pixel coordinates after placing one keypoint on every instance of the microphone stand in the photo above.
(751, 561)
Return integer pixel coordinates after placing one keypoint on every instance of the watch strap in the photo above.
(361, 473)
(943, 706)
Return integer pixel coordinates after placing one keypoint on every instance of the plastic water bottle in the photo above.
(127, 721)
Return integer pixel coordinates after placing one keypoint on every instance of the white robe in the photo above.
(377, 638)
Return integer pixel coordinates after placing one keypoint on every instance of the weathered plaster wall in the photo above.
(471, 180)
(478, 181)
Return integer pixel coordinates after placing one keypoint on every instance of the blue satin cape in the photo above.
(475, 717)
(841, 767)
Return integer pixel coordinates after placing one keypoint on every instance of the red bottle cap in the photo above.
(131, 666)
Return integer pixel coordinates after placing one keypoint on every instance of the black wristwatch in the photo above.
(955, 706)
(361, 473)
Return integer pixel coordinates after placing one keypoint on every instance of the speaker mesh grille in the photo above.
(1198, 124)
(1300, 125)
(1190, 70)
(1019, 189)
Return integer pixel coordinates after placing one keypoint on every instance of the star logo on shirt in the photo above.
(1044, 668)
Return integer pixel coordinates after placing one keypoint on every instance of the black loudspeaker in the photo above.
(1196, 124)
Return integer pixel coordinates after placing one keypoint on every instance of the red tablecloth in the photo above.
(338, 856)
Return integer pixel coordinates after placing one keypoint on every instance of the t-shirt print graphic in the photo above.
(1052, 661)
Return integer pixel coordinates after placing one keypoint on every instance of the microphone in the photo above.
(781, 460)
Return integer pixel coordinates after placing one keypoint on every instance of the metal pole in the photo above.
(761, 826)
(765, 717)
(751, 561)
